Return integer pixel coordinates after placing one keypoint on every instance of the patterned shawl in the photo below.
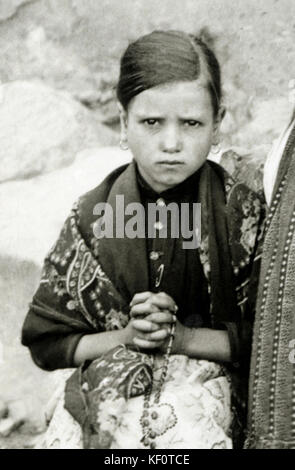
(272, 378)
(87, 283)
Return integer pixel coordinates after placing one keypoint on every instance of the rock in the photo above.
(271, 115)
(67, 43)
(291, 87)
(267, 119)
(3, 409)
(9, 7)
(34, 210)
(6, 427)
(42, 129)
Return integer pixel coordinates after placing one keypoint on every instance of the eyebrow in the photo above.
(156, 115)
(148, 114)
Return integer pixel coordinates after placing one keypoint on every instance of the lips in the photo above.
(170, 163)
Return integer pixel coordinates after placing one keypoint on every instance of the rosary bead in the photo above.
(146, 442)
(144, 421)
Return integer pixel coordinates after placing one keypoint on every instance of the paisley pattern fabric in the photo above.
(96, 394)
(87, 283)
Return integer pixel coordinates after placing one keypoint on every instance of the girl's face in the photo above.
(170, 129)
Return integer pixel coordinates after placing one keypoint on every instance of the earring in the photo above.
(123, 144)
(216, 148)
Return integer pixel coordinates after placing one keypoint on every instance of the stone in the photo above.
(33, 211)
(267, 119)
(3, 409)
(6, 427)
(71, 44)
(42, 129)
(9, 7)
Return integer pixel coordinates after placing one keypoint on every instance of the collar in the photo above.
(186, 190)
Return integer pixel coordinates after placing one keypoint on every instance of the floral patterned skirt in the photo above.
(194, 412)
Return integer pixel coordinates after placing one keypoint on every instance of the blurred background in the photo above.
(59, 134)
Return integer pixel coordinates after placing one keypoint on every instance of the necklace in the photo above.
(157, 418)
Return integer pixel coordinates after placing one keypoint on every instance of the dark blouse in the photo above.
(173, 269)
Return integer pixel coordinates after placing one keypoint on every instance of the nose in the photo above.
(171, 139)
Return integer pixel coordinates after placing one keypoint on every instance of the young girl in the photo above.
(164, 324)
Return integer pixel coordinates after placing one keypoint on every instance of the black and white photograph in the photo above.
(147, 226)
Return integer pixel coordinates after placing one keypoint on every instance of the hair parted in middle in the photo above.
(168, 56)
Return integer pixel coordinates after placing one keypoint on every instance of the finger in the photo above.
(159, 335)
(163, 295)
(144, 344)
(145, 326)
(140, 297)
(163, 301)
(161, 317)
(143, 309)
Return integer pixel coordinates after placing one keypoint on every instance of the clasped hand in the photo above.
(152, 317)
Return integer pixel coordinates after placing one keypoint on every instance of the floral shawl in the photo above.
(87, 283)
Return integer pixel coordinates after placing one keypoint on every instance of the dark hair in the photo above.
(167, 56)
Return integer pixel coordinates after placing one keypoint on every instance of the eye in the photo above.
(151, 122)
(191, 123)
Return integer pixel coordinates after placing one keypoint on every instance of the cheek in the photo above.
(199, 149)
(135, 139)
(136, 146)
(201, 145)
(140, 145)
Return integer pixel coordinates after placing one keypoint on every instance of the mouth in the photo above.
(170, 163)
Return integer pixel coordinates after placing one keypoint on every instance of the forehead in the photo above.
(180, 97)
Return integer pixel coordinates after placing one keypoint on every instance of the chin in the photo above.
(173, 181)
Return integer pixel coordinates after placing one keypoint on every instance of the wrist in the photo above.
(123, 337)
(180, 340)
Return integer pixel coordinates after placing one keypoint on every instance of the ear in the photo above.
(217, 123)
(221, 113)
(123, 121)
